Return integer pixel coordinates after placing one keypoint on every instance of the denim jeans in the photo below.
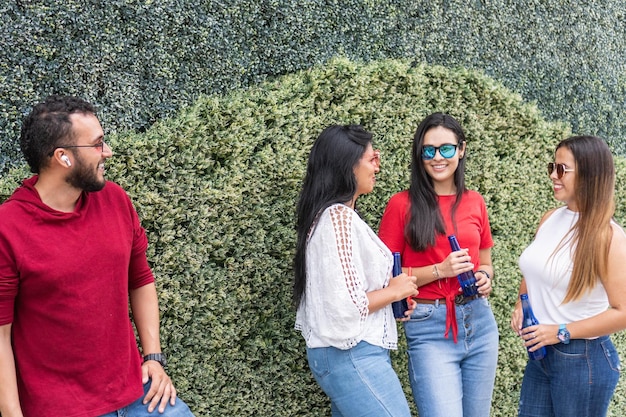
(452, 379)
(577, 379)
(359, 381)
(138, 409)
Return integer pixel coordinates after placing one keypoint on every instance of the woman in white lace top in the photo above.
(342, 287)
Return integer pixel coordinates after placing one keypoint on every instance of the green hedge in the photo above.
(216, 189)
(141, 61)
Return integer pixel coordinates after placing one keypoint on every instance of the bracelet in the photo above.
(485, 272)
(436, 272)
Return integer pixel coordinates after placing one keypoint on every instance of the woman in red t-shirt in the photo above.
(450, 376)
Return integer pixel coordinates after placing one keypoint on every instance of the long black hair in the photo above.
(329, 180)
(425, 220)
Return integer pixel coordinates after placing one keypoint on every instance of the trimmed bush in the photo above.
(141, 61)
(216, 189)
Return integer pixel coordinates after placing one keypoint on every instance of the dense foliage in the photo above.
(141, 61)
(216, 189)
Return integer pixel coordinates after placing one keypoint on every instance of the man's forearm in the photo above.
(9, 398)
(145, 306)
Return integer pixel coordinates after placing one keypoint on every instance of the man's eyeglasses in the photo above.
(447, 150)
(95, 145)
(561, 169)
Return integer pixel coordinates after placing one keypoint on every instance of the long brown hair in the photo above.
(594, 195)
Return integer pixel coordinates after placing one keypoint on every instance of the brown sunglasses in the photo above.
(561, 169)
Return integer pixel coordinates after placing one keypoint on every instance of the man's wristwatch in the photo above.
(563, 334)
(159, 357)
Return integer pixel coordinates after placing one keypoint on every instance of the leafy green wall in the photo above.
(143, 60)
(216, 188)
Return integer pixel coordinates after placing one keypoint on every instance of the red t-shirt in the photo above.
(472, 232)
(64, 286)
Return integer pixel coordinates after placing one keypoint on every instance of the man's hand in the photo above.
(161, 389)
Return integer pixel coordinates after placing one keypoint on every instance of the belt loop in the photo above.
(437, 303)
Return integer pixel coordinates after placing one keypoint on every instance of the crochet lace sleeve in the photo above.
(341, 220)
(344, 262)
(338, 306)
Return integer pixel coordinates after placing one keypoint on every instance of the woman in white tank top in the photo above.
(573, 275)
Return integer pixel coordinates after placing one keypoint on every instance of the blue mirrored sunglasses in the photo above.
(447, 150)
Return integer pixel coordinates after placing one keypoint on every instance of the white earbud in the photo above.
(65, 159)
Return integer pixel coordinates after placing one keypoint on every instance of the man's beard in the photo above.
(84, 178)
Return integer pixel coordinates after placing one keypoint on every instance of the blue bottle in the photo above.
(466, 279)
(531, 320)
(399, 307)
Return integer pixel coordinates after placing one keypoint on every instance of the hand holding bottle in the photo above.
(539, 336)
(455, 263)
(530, 324)
(400, 307)
(406, 287)
(467, 280)
(483, 283)
(411, 304)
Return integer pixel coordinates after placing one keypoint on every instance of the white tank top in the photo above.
(547, 274)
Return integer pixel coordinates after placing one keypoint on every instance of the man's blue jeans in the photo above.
(452, 379)
(359, 381)
(577, 379)
(138, 409)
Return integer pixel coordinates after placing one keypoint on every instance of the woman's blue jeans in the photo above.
(359, 381)
(452, 379)
(577, 379)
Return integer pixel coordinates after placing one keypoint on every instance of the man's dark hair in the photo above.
(47, 125)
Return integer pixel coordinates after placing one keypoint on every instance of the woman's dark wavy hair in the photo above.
(47, 125)
(329, 180)
(425, 220)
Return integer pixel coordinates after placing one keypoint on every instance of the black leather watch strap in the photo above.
(159, 357)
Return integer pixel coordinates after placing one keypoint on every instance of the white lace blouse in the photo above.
(345, 259)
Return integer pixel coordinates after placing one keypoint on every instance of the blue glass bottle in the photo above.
(531, 320)
(466, 279)
(399, 307)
